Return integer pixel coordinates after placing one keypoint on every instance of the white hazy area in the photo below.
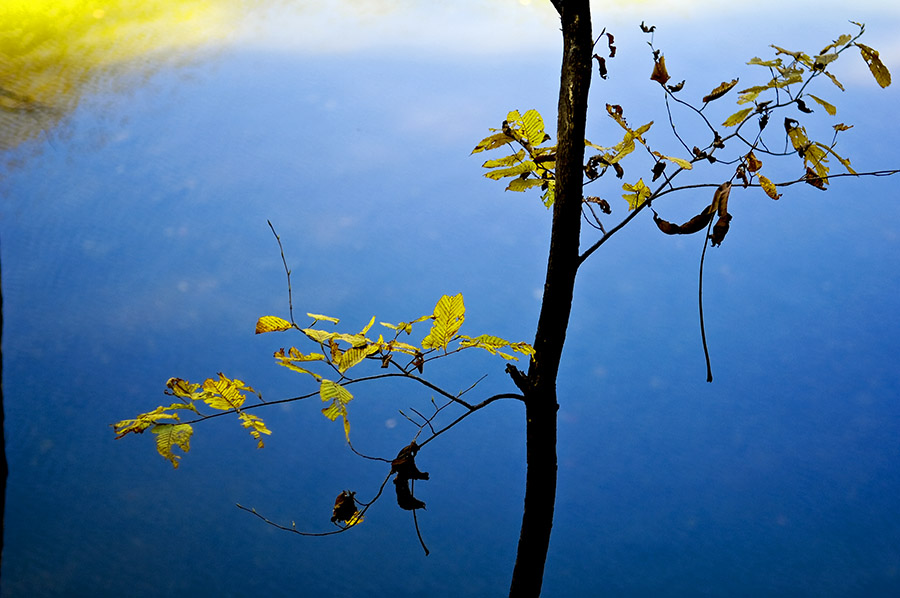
(476, 27)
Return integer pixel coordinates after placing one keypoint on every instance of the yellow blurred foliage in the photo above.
(53, 52)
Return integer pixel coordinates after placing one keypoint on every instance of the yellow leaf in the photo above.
(751, 93)
(523, 184)
(638, 194)
(518, 169)
(492, 142)
(507, 161)
(828, 107)
(737, 118)
(317, 317)
(224, 393)
(183, 389)
(320, 336)
(339, 397)
(169, 436)
(493, 344)
(534, 127)
(272, 324)
(256, 427)
(844, 161)
(768, 63)
(768, 186)
(290, 359)
(145, 420)
(719, 91)
(549, 195)
(354, 355)
(679, 161)
(449, 314)
(879, 71)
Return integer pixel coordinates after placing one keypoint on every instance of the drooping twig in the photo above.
(709, 376)
(416, 522)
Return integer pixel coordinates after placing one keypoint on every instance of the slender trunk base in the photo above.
(540, 498)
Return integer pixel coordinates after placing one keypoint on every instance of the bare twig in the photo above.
(287, 271)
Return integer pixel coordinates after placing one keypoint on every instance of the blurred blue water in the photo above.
(148, 256)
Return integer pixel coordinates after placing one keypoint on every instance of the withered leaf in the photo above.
(647, 29)
(753, 163)
(405, 464)
(660, 75)
(405, 499)
(658, 169)
(801, 105)
(344, 507)
(813, 179)
(601, 66)
(719, 91)
(720, 198)
(694, 225)
(676, 88)
(720, 229)
(602, 203)
(611, 43)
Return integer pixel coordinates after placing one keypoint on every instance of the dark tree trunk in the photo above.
(540, 386)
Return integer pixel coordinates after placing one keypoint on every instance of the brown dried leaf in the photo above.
(719, 91)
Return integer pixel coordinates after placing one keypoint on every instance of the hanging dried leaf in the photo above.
(405, 464)
(647, 29)
(720, 198)
(694, 225)
(676, 88)
(601, 66)
(719, 91)
(405, 499)
(660, 75)
(658, 170)
(753, 163)
(611, 43)
(720, 229)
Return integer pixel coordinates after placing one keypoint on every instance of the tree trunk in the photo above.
(540, 386)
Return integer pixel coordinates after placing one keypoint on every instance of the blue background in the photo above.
(135, 248)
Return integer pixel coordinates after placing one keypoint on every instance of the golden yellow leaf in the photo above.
(637, 194)
(533, 125)
(516, 170)
(524, 184)
(768, 186)
(879, 71)
(169, 436)
(339, 397)
(679, 161)
(145, 420)
(449, 314)
(224, 393)
(317, 317)
(272, 324)
(492, 142)
(256, 427)
(737, 118)
(828, 107)
(507, 161)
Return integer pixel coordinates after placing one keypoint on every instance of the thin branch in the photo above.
(286, 271)
(474, 408)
